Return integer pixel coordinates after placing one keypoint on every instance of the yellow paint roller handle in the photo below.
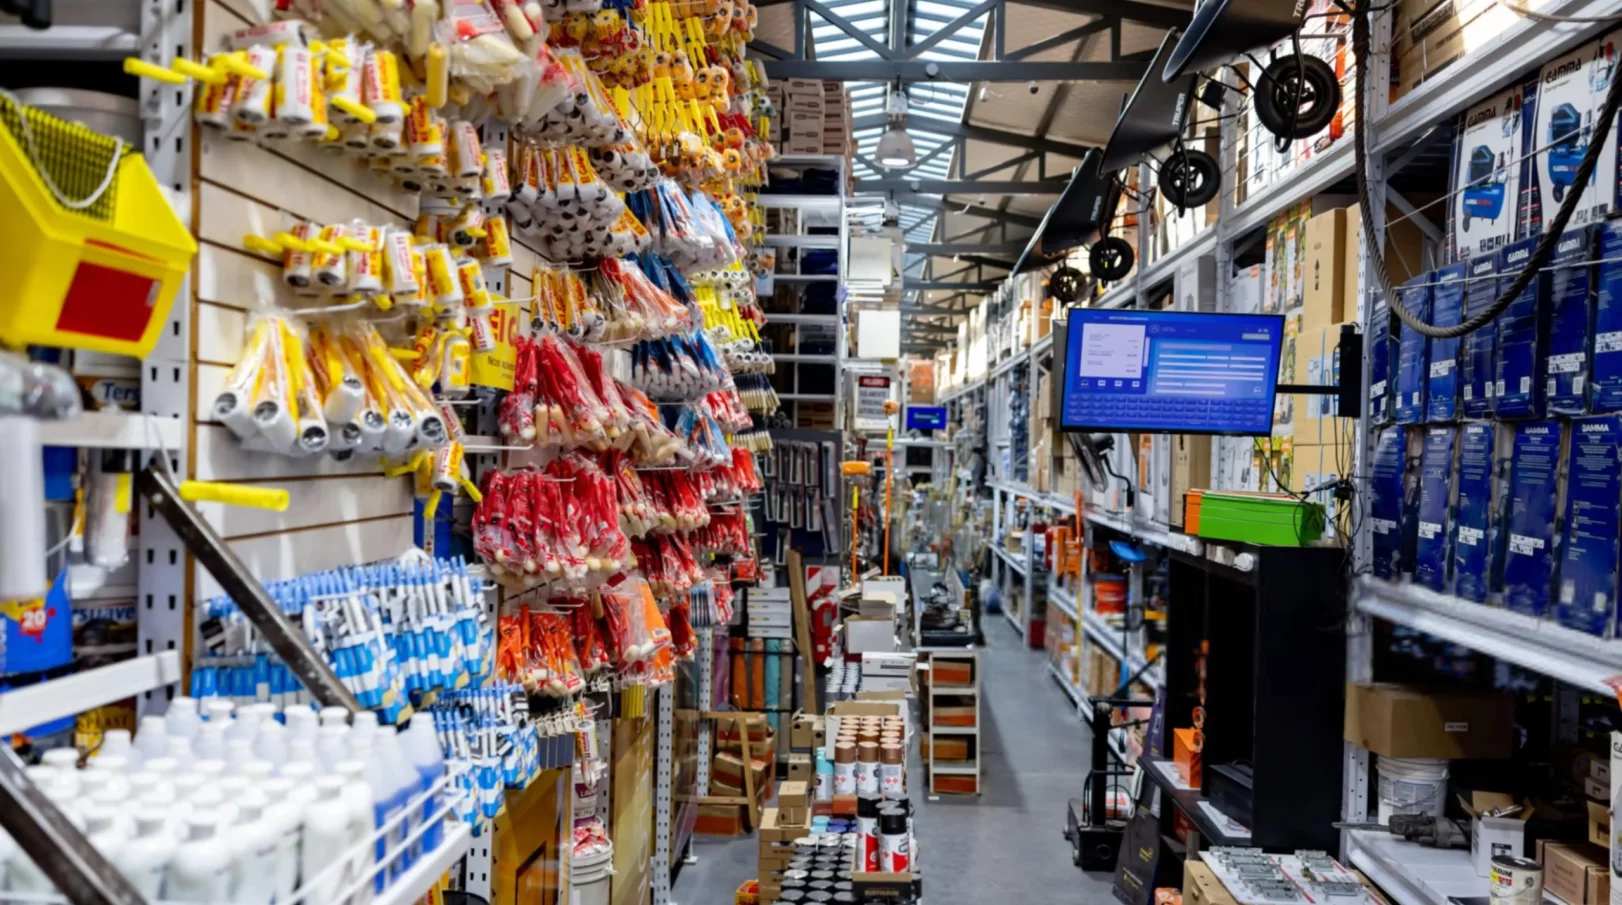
(288, 240)
(238, 63)
(326, 247)
(141, 68)
(350, 243)
(261, 244)
(358, 111)
(195, 70)
(273, 498)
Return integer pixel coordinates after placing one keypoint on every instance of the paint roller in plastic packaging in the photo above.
(29, 392)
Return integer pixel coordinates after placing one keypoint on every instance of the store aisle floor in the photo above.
(1008, 841)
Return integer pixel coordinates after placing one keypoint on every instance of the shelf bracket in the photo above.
(210, 549)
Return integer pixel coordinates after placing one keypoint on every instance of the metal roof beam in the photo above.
(959, 186)
(931, 285)
(937, 203)
(974, 133)
(1064, 37)
(886, 70)
(968, 248)
(1145, 13)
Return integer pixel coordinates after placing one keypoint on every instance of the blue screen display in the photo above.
(926, 418)
(1171, 372)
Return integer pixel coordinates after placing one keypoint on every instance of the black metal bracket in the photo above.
(1349, 392)
(160, 493)
(61, 851)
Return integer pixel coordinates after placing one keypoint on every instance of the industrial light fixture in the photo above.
(895, 148)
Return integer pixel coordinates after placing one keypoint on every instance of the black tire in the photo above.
(1277, 89)
(1110, 258)
(1190, 178)
(1065, 284)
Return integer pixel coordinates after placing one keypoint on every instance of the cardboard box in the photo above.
(1322, 296)
(1575, 872)
(1401, 721)
(951, 671)
(1190, 469)
(949, 748)
(1491, 837)
(1430, 35)
(800, 769)
(1599, 823)
(864, 634)
(727, 772)
(794, 802)
(1201, 886)
(807, 731)
(1317, 363)
(773, 828)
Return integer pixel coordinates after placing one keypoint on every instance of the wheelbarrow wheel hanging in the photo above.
(1311, 89)
(1110, 258)
(1190, 178)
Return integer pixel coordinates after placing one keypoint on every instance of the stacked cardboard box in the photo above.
(777, 835)
(836, 118)
(803, 112)
(1430, 35)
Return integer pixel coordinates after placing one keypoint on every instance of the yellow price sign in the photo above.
(498, 367)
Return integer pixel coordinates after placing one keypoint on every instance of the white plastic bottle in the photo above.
(288, 797)
(204, 867)
(332, 746)
(391, 758)
(181, 720)
(335, 716)
(22, 874)
(219, 710)
(271, 743)
(101, 828)
(145, 858)
(117, 743)
(246, 725)
(422, 747)
(180, 751)
(210, 741)
(367, 812)
(328, 834)
(256, 840)
(238, 751)
(392, 782)
(65, 759)
(302, 751)
(301, 723)
(152, 740)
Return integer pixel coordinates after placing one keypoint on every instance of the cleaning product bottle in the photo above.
(328, 835)
(389, 762)
(302, 751)
(422, 747)
(152, 740)
(117, 743)
(210, 741)
(331, 745)
(63, 759)
(181, 719)
(204, 867)
(145, 858)
(256, 840)
(271, 745)
(301, 723)
(370, 805)
(180, 751)
(22, 874)
(335, 716)
(101, 829)
(289, 796)
(218, 710)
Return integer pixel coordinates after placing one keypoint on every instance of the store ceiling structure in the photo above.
(994, 151)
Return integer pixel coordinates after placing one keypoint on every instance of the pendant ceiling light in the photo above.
(895, 148)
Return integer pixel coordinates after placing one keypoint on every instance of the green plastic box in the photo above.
(1255, 519)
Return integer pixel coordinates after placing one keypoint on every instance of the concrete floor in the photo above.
(1008, 840)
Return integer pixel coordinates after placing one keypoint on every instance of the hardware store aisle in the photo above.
(1008, 840)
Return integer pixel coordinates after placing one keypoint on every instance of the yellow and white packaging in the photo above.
(455, 375)
(212, 105)
(366, 266)
(444, 289)
(329, 268)
(254, 97)
(495, 182)
(465, 150)
(295, 87)
(399, 278)
(298, 271)
(380, 86)
(496, 248)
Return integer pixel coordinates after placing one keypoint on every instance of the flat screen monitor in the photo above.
(1170, 372)
(926, 418)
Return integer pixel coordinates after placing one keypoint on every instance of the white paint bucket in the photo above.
(588, 877)
(1411, 785)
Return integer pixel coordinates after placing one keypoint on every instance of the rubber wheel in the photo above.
(1110, 258)
(1190, 178)
(1277, 91)
(1065, 284)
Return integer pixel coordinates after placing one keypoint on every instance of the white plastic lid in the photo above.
(350, 769)
(111, 763)
(330, 785)
(61, 758)
(365, 719)
(219, 709)
(150, 821)
(335, 716)
(209, 768)
(114, 743)
(99, 818)
(202, 823)
(151, 724)
(256, 770)
(183, 705)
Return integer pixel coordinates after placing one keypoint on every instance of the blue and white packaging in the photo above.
(1413, 377)
(1447, 310)
(1605, 394)
(1588, 550)
(1565, 100)
(1476, 560)
(1521, 368)
(1431, 554)
(1529, 527)
(1381, 355)
(1571, 321)
(1478, 350)
(1487, 176)
(1386, 501)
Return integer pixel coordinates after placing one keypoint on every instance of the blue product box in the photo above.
(1588, 552)
(1561, 105)
(1381, 353)
(1386, 501)
(1529, 528)
(1571, 321)
(1523, 338)
(1606, 371)
(1478, 350)
(1447, 310)
(1475, 565)
(1412, 375)
(1486, 176)
(1431, 554)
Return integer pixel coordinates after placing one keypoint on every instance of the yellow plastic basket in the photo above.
(99, 271)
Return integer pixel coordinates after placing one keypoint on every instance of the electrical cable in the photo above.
(1546, 245)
